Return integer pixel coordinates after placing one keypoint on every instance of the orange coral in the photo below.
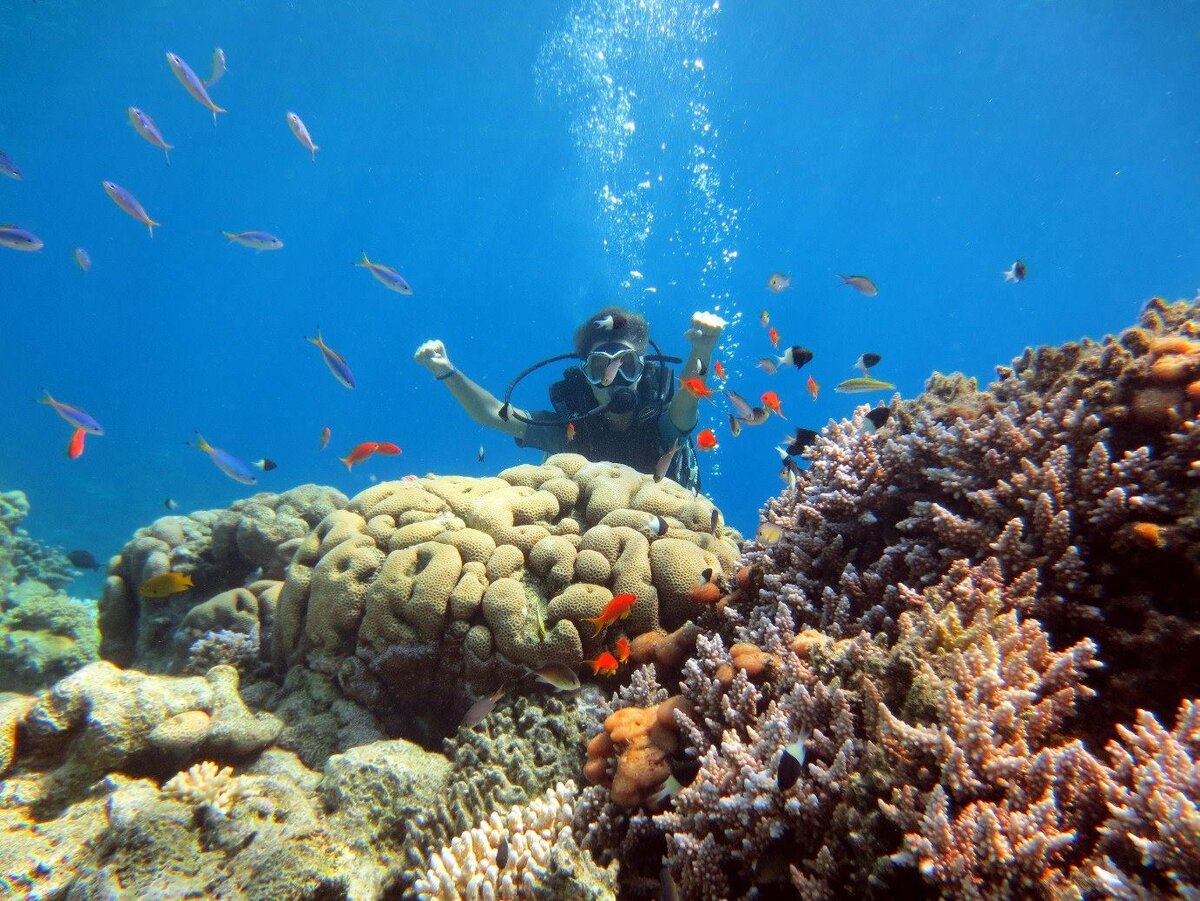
(1173, 344)
(1150, 532)
(1173, 368)
(667, 650)
(708, 593)
(750, 658)
(642, 738)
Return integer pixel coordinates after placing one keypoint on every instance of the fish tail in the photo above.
(315, 148)
(365, 261)
(599, 623)
(167, 153)
(150, 223)
(46, 398)
(201, 444)
(349, 463)
(217, 109)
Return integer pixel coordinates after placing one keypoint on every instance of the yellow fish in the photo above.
(165, 584)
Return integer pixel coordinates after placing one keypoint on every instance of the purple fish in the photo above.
(227, 462)
(192, 84)
(300, 130)
(385, 275)
(16, 238)
(255, 240)
(129, 204)
(334, 360)
(73, 416)
(145, 126)
(8, 167)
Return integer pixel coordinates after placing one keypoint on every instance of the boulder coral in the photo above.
(444, 579)
(44, 636)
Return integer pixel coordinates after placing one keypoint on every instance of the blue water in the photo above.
(927, 145)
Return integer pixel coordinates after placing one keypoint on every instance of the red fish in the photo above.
(622, 649)
(360, 453)
(773, 334)
(388, 449)
(605, 664)
(719, 369)
(570, 431)
(770, 400)
(813, 387)
(706, 440)
(697, 387)
(617, 608)
(75, 447)
(325, 433)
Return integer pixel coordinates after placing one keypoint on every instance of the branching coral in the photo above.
(206, 784)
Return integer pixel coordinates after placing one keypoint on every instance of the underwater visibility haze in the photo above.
(941, 185)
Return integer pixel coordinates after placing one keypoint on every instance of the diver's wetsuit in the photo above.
(648, 437)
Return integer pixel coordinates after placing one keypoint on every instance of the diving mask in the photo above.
(598, 368)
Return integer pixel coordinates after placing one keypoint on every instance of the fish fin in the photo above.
(365, 262)
(315, 148)
(150, 225)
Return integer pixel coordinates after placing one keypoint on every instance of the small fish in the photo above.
(75, 445)
(557, 676)
(388, 449)
(767, 365)
(714, 521)
(334, 360)
(866, 361)
(611, 321)
(801, 442)
(617, 608)
(360, 453)
(860, 283)
(73, 416)
(757, 416)
(719, 369)
(706, 440)
(16, 238)
(740, 405)
(480, 455)
(265, 464)
(82, 259)
(622, 649)
(227, 462)
(813, 388)
(326, 434)
(796, 356)
(696, 387)
(773, 334)
(779, 282)
(129, 204)
(701, 369)
(385, 275)
(165, 584)
(791, 762)
(193, 85)
(170, 504)
(764, 318)
(787, 473)
(669, 789)
(604, 664)
(768, 533)
(144, 125)
(479, 711)
(255, 240)
(656, 526)
(610, 374)
(875, 419)
(771, 401)
(705, 576)
(1016, 272)
(664, 462)
(863, 384)
(218, 68)
(8, 167)
(570, 431)
(735, 425)
(502, 848)
(300, 130)
(83, 560)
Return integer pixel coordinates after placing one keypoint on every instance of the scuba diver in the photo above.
(618, 403)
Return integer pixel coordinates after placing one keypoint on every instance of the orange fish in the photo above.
(697, 387)
(770, 400)
(387, 449)
(360, 453)
(605, 664)
(325, 433)
(570, 431)
(75, 448)
(622, 649)
(813, 387)
(617, 608)
(719, 369)
(706, 440)
(773, 334)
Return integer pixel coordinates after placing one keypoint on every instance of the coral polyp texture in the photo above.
(448, 580)
(976, 643)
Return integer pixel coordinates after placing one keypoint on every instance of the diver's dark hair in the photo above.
(633, 330)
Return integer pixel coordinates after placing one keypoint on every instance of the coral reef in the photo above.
(446, 581)
(44, 636)
(22, 557)
(238, 554)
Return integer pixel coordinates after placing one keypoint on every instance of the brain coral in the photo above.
(416, 580)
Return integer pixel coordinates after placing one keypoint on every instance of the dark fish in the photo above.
(83, 560)
(171, 504)
(706, 575)
(796, 356)
(502, 853)
(860, 283)
(735, 425)
(701, 369)
(481, 453)
(504, 411)
(791, 762)
(656, 526)
(1016, 272)
(664, 462)
(265, 465)
(879, 416)
(866, 361)
(715, 521)
(804, 438)
(685, 770)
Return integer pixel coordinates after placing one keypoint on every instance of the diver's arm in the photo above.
(479, 403)
(705, 332)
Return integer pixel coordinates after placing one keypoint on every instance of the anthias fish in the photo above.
(236, 469)
(75, 417)
(129, 204)
(144, 126)
(860, 283)
(771, 401)
(385, 275)
(334, 360)
(360, 453)
(75, 445)
(603, 664)
(617, 608)
(696, 388)
(664, 462)
(165, 584)
(325, 436)
(16, 238)
(706, 440)
(556, 675)
(300, 130)
(193, 85)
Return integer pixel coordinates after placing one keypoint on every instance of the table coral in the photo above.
(449, 579)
